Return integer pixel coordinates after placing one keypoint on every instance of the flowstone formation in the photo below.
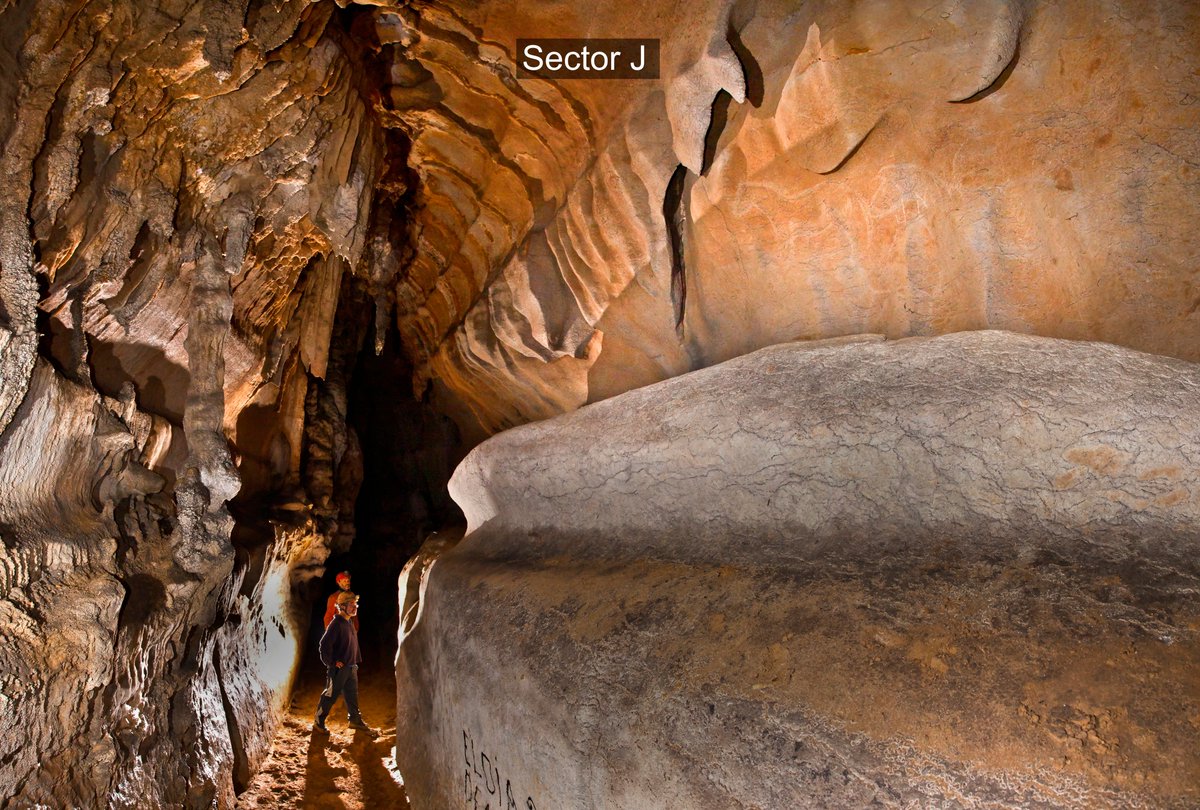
(188, 197)
(955, 571)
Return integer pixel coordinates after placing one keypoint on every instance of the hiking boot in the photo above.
(359, 725)
(319, 726)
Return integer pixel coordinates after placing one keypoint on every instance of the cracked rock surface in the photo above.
(957, 571)
(212, 206)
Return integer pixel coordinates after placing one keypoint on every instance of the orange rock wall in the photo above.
(851, 167)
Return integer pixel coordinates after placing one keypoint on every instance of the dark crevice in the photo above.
(753, 79)
(998, 82)
(251, 540)
(54, 339)
(716, 125)
(79, 370)
(675, 216)
(330, 457)
(241, 774)
(127, 544)
(751, 71)
(408, 452)
(6, 318)
(144, 596)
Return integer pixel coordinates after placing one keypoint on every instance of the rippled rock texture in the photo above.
(955, 571)
(211, 207)
(801, 171)
(187, 186)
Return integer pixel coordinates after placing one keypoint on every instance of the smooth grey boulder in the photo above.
(957, 571)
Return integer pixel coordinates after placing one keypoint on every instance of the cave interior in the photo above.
(813, 422)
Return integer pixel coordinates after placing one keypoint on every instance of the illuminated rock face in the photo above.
(944, 572)
(839, 168)
(210, 207)
(187, 185)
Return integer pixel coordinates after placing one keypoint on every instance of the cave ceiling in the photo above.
(881, 168)
(210, 207)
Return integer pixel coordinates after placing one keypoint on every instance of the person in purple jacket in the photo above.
(341, 657)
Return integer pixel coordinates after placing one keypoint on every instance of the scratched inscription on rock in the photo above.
(484, 785)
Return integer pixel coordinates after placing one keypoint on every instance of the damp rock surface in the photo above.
(955, 572)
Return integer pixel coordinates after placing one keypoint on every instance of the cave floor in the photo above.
(343, 771)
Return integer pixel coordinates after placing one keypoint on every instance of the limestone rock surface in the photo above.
(188, 189)
(954, 571)
(800, 171)
(212, 206)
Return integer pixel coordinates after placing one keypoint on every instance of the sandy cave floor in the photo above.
(343, 771)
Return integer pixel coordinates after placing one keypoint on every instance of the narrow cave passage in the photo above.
(407, 454)
(830, 397)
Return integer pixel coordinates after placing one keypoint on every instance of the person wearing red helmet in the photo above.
(343, 581)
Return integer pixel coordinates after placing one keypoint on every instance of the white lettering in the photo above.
(536, 64)
(577, 58)
(642, 63)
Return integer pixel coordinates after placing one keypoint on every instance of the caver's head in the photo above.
(343, 580)
(347, 604)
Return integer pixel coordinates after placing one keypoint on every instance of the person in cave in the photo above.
(343, 582)
(341, 657)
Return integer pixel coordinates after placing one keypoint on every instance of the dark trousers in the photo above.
(342, 682)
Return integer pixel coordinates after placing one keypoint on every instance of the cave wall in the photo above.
(842, 168)
(933, 572)
(212, 206)
(188, 194)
